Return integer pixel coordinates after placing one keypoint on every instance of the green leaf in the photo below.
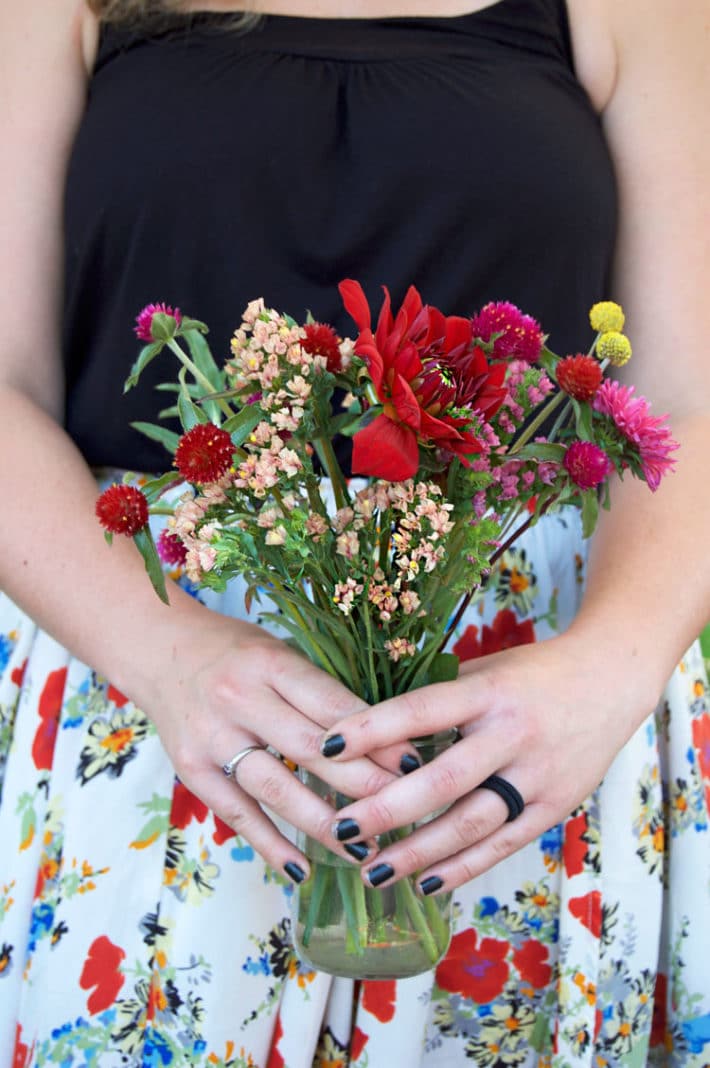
(203, 358)
(166, 437)
(590, 512)
(190, 413)
(147, 549)
(147, 353)
(542, 450)
(583, 420)
(109, 537)
(192, 324)
(154, 489)
(241, 425)
(443, 668)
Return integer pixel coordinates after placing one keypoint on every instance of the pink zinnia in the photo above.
(586, 464)
(632, 417)
(171, 549)
(144, 320)
(520, 338)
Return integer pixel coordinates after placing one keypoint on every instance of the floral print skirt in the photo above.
(136, 929)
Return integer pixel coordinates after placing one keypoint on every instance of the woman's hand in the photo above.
(547, 717)
(228, 685)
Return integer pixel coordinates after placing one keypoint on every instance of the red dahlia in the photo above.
(204, 453)
(580, 376)
(322, 340)
(122, 510)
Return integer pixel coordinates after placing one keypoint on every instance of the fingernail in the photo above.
(430, 884)
(379, 874)
(346, 828)
(408, 763)
(295, 871)
(333, 745)
(358, 850)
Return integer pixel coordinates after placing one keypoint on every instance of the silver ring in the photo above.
(230, 769)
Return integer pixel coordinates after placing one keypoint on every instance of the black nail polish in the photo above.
(333, 745)
(345, 829)
(358, 850)
(408, 763)
(379, 874)
(295, 871)
(430, 884)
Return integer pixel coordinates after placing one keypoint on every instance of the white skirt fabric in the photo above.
(136, 929)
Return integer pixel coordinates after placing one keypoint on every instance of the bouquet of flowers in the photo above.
(464, 432)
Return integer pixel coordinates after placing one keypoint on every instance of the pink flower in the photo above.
(144, 320)
(632, 417)
(520, 335)
(586, 464)
(170, 548)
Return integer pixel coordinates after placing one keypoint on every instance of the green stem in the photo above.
(344, 879)
(408, 901)
(320, 881)
(537, 422)
(326, 454)
(374, 687)
(197, 374)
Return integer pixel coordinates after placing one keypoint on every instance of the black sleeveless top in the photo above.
(459, 154)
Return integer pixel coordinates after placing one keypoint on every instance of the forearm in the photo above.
(648, 591)
(54, 561)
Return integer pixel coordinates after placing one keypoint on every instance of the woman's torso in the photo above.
(458, 153)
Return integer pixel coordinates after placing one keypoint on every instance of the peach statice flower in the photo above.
(586, 464)
(204, 453)
(144, 319)
(632, 417)
(122, 510)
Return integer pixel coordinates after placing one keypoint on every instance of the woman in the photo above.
(377, 140)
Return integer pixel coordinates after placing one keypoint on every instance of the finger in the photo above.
(325, 701)
(471, 862)
(266, 779)
(470, 820)
(414, 714)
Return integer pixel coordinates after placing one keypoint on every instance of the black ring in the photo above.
(507, 791)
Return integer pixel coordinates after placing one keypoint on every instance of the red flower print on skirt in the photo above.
(701, 741)
(531, 962)
(186, 807)
(504, 633)
(588, 910)
(379, 997)
(477, 972)
(575, 848)
(50, 705)
(358, 1043)
(101, 970)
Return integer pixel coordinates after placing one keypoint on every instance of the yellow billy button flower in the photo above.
(614, 347)
(606, 316)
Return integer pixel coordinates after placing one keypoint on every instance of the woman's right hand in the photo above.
(221, 685)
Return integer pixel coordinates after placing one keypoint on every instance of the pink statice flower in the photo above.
(144, 320)
(632, 417)
(586, 464)
(520, 338)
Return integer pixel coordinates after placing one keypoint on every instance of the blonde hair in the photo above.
(140, 10)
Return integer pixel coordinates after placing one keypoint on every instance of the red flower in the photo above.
(659, 1027)
(170, 549)
(379, 996)
(574, 849)
(357, 1044)
(21, 1054)
(118, 698)
(186, 807)
(424, 368)
(531, 962)
(144, 319)
(520, 335)
(322, 340)
(204, 453)
(632, 417)
(18, 673)
(477, 972)
(503, 634)
(275, 1059)
(50, 705)
(588, 910)
(701, 741)
(222, 831)
(580, 376)
(102, 971)
(122, 510)
(586, 464)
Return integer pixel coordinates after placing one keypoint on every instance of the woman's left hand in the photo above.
(548, 717)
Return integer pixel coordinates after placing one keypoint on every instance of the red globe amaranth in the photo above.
(144, 319)
(170, 549)
(475, 971)
(204, 453)
(579, 376)
(521, 337)
(322, 340)
(586, 464)
(122, 510)
(504, 633)
(425, 368)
